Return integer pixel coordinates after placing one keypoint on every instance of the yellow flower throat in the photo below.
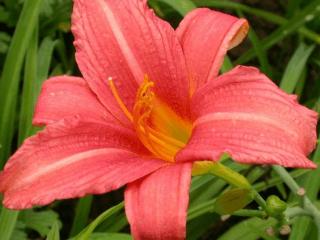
(158, 127)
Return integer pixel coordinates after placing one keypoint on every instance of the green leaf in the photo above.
(28, 91)
(85, 234)
(45, 54)
(54, 232)
(40, 221)
(307, 14)
(293, 7)
(44, 59)
(257, 12)
(9, 84)
(82, 214)
(250, 229)
(311, 184)
(111, 236)
(261, 53)
(181, 6)
(233, 200)
(55, 16)
(227, 65)
(295, 67)
(19, 232)
(201, 209)
(206, 187)
(110, 225)
(208, 191)
(4, 42)
(8, 220)
(4, 15)
(19, 235)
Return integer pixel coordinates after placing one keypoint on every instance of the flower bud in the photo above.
(275, 206)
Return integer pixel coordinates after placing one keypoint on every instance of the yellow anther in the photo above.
(145, 89)
(118, 99)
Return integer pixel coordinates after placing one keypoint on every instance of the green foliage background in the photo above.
(35, 43)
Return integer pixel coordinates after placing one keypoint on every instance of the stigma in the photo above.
(157, 126)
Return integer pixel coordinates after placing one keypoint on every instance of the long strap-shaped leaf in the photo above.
(181, 6)
(307, 14)
(310, 182)
(9, 83)
(268, 16)
(85, 234)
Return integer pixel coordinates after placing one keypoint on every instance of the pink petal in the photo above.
(206, 36)
(156, 206)
(125, 40)
(244, 114)
(66, 96)
(72, 158)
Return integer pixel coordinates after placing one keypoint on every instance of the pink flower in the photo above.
(148, 106)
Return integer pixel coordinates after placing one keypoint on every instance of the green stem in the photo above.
(263, 185)
(259, 199)
(286, 177)
(294, 187)
(250, 213)
(296, 211)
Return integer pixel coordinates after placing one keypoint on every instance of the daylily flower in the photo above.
(149, 105)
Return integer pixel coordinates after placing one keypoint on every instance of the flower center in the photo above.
(158, 127)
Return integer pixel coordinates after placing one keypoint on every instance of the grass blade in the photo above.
(8, 220)
(293, 7)
(9, 83)
(269, 16)
(54, 232)
(261, 54)
(8, 95)
(82, 214)
(306, 15)
(227, 65)
(301, 226)
(85, 234)
(113, 236)
(250, 229)
(181, 6)
(28, 92)
(45, 53)
(295, 67)
(310, 181)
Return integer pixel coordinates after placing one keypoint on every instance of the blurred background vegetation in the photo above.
(36, 42)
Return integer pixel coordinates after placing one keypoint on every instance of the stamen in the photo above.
(164, 137)
(146, 137)
(142, 117)
(118, 99)
(144, 89)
